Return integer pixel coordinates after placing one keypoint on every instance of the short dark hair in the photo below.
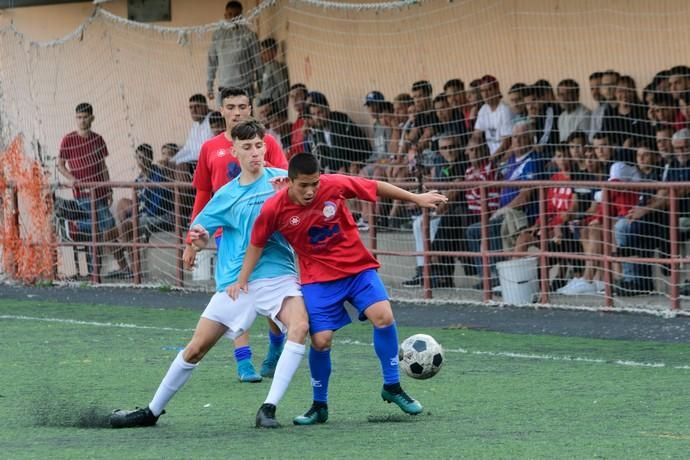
(682, 70)
(264, 101)
(198, 98)
(476, 83)
(387, 107)
(301, 86)
(404, 98)
(269, 43)
(145, 151)
(316, 98)
(543, 86)
(664, 100)
(455, 83)
(577, 135)
(216, 118)
(84, 107)
(611, 72)
(517, 88)
(235, 5)
(600, 135)
(571, 85)
(531, 91)
(424, 86)
(172, 146)
(303, 163)
(664, 127)
(248, 129)
(233, 91)
(596, 75)
(440, 97)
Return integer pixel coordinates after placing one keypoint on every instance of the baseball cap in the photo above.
(374, 96)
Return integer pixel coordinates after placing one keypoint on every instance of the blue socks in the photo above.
(275, 341)
(386, 347)
(243, 353)
(320, 368)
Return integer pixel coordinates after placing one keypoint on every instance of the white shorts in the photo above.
(264, 297)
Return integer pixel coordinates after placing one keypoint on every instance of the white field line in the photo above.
(499, 354)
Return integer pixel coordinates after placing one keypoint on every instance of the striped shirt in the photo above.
(483, 173)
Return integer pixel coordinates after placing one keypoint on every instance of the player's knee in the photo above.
(299, 328)
(321, 342)
(194, 353)
(382, 318)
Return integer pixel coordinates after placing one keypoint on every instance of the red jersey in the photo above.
(484, 173)
(558, 200)
(323, 234)
(296, 138)
(85, 158)
(217, 165)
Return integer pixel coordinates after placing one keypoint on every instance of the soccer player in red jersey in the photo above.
(335, 266)
(216, 167)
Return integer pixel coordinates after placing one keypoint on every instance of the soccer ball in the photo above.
(421, 357)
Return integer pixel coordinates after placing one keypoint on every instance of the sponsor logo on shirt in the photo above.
(233, 170)
(329, 209)
(318, 235)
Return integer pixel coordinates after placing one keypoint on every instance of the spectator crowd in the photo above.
(461, 134)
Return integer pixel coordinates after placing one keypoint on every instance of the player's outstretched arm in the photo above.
(251, 258)
(423, 200)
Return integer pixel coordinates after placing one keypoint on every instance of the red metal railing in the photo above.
(675, 190)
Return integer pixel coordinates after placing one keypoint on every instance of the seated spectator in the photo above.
(494, 118)
(574, 116)
(643, 228)
(216, 122)
(474, 103)
(605, 92)
(516, 102)
(455, 96)
(664, 111)
(679, 84)
(281, 126)
(425, 119)
(339, 144)
(518, 206)
(298, 99)
(577, 141)
(154, 204)
(451, 168)
(561, 210)
(167, 165)
(381, 134)
(448, 123)
(544, 121)
(627, 123)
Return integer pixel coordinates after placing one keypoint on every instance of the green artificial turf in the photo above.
(497, 396)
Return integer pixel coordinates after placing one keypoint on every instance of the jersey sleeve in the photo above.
(202, 174)
(356, 187)
(264, 225)
(216, 213)
(102, 147)
(274, 153)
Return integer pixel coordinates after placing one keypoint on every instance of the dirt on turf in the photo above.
(630, 326)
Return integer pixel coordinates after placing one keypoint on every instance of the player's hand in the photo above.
(279, 182)
(198, 235)
(431, 199)
(189, 256)
(636, 213)
(234, 290)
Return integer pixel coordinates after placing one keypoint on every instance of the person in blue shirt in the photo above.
(275, 289)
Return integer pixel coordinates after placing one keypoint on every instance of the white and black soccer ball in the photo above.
(421, 356)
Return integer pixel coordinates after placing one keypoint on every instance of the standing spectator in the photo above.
(679, 84)
(448, 124)
(82, 159)
(234, 54)
(381, 134)
(494, 118)
(455, 95)
(298, 97)
(216, 122)
(665, 111)
(594, 86)
(275, 82)
(168, 151)
(281, 126)
(339, 144)
(602, 109)
(575, 116)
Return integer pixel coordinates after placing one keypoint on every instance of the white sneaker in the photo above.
(362, 225)
(582, 287)
(568, 286)
(599, 285)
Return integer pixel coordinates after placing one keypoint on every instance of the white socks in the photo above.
(285, 369)
(177, 376)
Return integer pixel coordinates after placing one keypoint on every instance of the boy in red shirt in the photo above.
(216, 167)
(335, 266)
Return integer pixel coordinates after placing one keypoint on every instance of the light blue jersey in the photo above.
(234, 208)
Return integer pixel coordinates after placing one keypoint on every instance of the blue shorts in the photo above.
(325, 302)
(104, 218)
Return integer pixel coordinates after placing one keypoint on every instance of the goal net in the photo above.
(404, 82)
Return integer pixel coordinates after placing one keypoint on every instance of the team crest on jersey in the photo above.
(222, 152)
(329, 209)
(294, 220)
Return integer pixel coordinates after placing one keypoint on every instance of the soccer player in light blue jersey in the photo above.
(275, 290)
